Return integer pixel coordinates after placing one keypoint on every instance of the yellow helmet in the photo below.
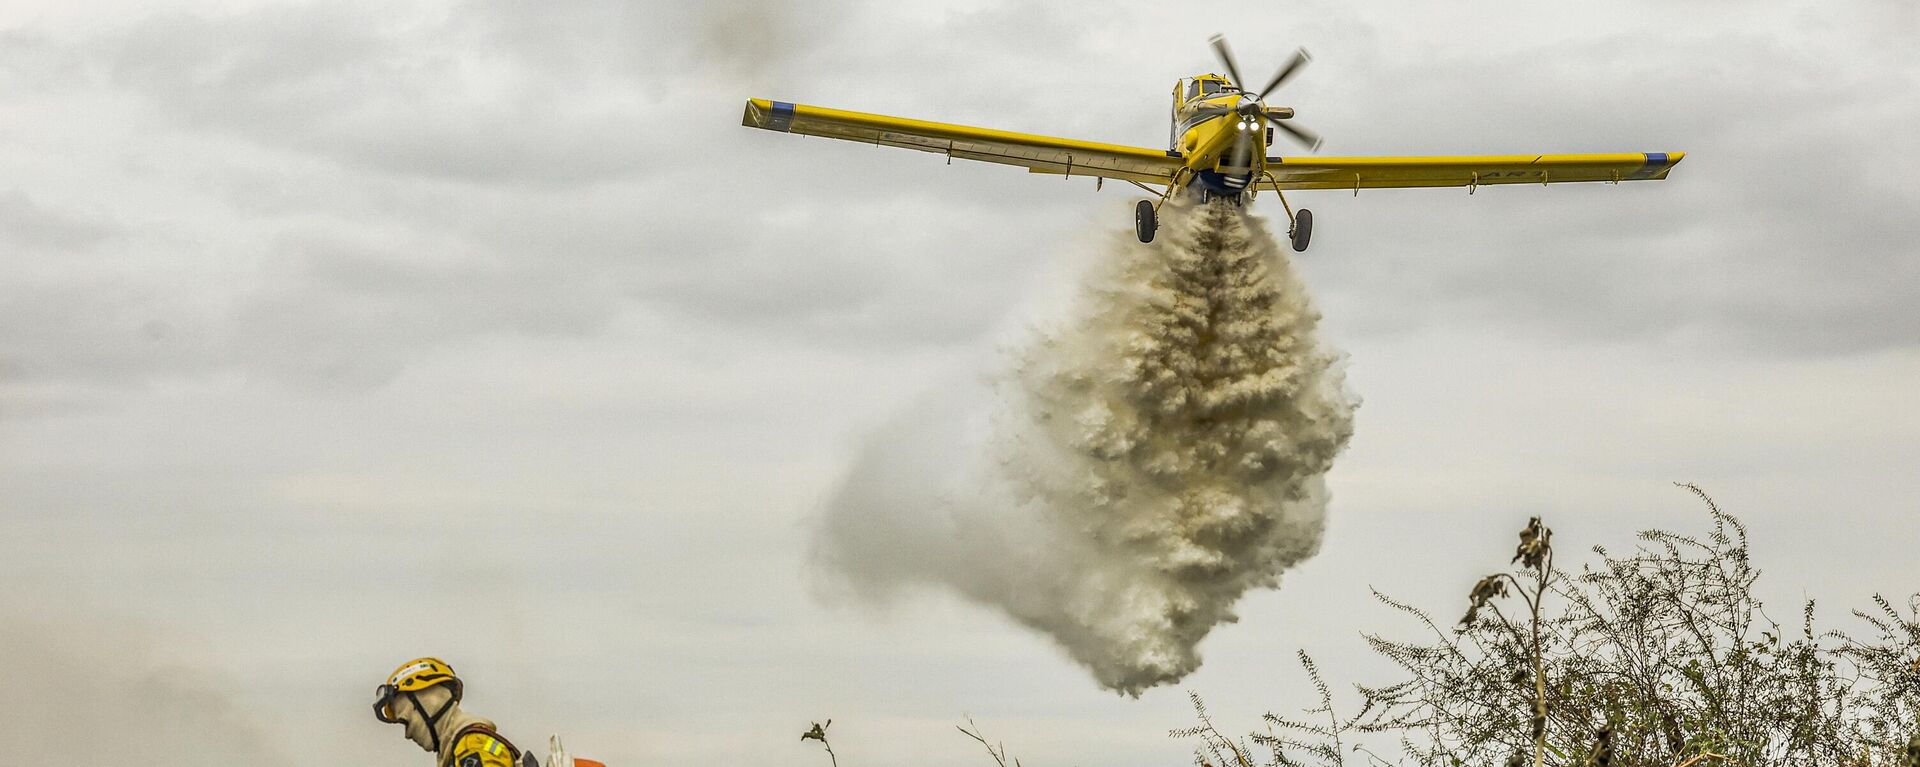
(411, 677)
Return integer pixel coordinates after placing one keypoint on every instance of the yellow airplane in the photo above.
(1216, 150)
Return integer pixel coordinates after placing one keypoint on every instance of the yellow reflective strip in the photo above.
(493, 746)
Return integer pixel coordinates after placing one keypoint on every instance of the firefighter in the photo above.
(424, 696)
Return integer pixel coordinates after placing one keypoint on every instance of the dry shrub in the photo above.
(1659, 657)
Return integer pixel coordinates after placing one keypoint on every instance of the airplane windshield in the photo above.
(1210, 87)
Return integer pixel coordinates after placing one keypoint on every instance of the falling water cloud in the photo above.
(1131, 472)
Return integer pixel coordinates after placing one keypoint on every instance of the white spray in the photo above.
(1137, 470)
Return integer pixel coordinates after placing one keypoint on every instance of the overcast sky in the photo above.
(333, 334)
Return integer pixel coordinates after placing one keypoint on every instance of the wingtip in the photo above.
(768, 114)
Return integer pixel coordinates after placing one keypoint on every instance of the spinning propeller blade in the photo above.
(1307, 138)
(1226, 59)
(1300, 58)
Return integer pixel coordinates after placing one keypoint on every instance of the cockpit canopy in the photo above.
(1187, 93)
(1205, 85)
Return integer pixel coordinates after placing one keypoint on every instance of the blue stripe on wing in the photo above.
(782, 119)
(1656, 162)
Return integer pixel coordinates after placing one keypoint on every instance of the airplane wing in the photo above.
(1038, 154)
(1399, 172)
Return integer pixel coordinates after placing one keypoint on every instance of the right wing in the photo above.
(1392, 172)
(1038, 154)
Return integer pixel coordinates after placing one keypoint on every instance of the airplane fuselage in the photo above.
(1221, 140)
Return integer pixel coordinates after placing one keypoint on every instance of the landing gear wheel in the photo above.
(1144, 220)
(1302, 230)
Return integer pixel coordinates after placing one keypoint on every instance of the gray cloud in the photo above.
(484, 92)
(96, 691)
(1776, 235)
(486, 200)
(340, 312)
(75, 308)
(44, 233)
(540, 159)
(375, 89)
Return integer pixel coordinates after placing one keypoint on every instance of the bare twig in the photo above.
(999, 754)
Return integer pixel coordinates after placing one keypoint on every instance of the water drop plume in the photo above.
(1131, 472)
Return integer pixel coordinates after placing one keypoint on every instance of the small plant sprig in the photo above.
(1534, 553)
(1214, 748)
(1328, 740)
(819, 733)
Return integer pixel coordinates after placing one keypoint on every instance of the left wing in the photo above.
(1038, 154)
(1469, 171)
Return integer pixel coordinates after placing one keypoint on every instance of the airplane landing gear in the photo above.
(1300, 224)
(1145, 220)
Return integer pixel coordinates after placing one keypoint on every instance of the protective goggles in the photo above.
(383, 703)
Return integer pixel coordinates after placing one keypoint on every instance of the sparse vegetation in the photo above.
(1662, 657)
(996, 750)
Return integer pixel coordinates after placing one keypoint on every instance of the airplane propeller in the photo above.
(1251, 104)
(1307, 138)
